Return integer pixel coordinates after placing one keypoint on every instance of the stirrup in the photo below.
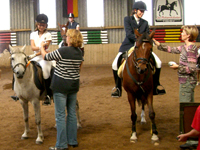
(162, 91)
(117, 93)
(47, 101)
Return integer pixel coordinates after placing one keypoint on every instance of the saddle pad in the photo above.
(121, 68)
(38, 76)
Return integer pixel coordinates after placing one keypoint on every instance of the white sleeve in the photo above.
(48, 36)
(32, 36)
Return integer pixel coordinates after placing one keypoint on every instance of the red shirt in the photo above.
(196, 124)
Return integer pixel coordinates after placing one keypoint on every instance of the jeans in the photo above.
(66, 129)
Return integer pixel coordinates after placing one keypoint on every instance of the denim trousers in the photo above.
(66, 126)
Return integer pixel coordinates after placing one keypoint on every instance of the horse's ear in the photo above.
(23, 48)
(137, 33)
(151, 35)
(59, 25)
(11, 49)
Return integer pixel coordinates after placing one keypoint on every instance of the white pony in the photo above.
(25, 89)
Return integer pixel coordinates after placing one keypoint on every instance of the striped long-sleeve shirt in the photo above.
(187, 61)
(66, 75)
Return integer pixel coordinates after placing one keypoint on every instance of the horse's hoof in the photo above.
(79, 126)
(154, 138)
(133, 138)
(133, 141)
(23, 138)
(39, 142)
(142, 122)
(156, 143)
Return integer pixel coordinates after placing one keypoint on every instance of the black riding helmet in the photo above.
(139, 5)
(42, 18)
(71, 15)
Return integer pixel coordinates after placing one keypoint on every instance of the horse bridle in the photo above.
(18, 64)
(135, 61)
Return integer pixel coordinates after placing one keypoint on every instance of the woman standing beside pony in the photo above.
(65, 85)
(186, 69)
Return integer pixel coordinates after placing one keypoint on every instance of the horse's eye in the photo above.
(12, 58)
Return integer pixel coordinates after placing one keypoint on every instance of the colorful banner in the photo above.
(70, 6)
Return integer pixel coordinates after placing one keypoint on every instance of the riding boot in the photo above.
(156, 83)
(47, 83)
(118, 87)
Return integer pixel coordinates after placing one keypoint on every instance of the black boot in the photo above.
(47, 100)
(118, 87)
(156, 83)
(15, 98)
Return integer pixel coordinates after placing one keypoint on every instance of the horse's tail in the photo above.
(158, 7)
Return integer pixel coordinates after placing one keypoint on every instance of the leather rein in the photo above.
(135, 62)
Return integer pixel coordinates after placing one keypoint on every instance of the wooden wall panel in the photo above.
(100, 54)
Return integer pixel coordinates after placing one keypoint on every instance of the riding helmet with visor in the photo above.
(71, 15)
(139, 5)
(42, 18)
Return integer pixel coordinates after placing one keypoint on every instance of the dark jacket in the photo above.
(129, 25)
(73, 25)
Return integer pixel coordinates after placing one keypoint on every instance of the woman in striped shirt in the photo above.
(187, 63)
(65, 85)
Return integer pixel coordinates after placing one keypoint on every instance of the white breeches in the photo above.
(114, 64)
(158, 61)
(46, 65)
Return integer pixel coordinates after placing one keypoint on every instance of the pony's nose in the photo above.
(20, 74)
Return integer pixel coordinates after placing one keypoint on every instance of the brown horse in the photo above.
(138, 80)
(63, 30)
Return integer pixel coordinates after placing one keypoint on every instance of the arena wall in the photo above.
(99, 54)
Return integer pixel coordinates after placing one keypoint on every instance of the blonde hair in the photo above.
(36, 27)
(75, 37)
(192, 31)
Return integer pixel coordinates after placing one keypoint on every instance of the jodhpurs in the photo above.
(115, 67)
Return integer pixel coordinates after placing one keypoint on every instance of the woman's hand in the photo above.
(174, 66)
(182, 137)
(156, 42)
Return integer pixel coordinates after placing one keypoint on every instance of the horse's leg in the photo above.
(143, 120)
(154, 137)
(36, 106)
(77, 115)
(131, 100)
(176, 11)
(25, 111)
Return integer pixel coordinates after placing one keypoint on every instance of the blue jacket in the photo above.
(129, 25)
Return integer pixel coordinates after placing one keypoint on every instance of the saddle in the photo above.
(39, 81)
(38, 76)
